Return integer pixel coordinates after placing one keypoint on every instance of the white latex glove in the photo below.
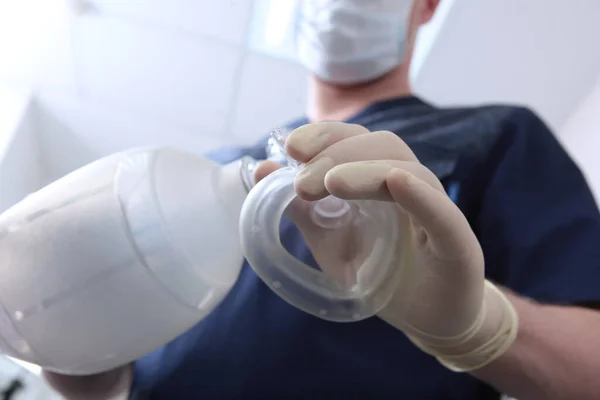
(444, 304)
(109, 385)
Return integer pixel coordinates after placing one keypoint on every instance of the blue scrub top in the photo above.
(526, 200)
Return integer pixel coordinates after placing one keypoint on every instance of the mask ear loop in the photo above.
(330, 212)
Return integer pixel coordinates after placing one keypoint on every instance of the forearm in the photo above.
(556, 354)
(110, 385)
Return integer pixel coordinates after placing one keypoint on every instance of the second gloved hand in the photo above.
(444, 304)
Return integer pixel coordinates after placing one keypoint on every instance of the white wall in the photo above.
(35, 47)
(581, 135)
(20, 171)
(47, 136)
(542, 53)
(72, 133)
(13, 105)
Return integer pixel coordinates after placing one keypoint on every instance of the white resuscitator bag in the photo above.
(123, 255)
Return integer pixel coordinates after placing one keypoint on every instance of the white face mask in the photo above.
(352, 41)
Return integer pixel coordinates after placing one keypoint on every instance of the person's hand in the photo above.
(444, 304)
(110, 385)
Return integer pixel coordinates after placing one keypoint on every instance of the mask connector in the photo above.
(330, 212)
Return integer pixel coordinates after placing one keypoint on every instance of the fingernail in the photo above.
(319, 166)
(308, 143)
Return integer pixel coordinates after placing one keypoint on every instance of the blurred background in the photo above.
(80, 79)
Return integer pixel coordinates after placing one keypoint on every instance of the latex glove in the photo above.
(444, 304)
(110, 385)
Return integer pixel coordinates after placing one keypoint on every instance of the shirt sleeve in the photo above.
(538, 223)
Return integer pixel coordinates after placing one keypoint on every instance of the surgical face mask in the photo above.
(352, 41)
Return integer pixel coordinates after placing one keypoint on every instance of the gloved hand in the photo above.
(444, 304)
(110, 385)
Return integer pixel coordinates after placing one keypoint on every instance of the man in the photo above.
(514, 198)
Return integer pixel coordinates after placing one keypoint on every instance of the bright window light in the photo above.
(279, 19)
(34, 369)
(272, 28)
(427, 36)
(30, 33)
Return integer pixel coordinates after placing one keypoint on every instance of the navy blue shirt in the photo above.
(526, 200)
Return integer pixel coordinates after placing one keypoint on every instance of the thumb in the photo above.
(265, 168)
(298, 209)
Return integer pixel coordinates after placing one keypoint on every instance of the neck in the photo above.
(330, 102)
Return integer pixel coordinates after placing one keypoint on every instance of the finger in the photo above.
(298, 208)
(304, 143)
(368, 179)
(380, 145)
(450, 236)
(265, 168)
(415, 189)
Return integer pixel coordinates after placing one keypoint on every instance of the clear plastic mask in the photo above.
(356, 246)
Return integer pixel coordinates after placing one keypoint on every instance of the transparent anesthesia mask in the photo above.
(356, 246)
